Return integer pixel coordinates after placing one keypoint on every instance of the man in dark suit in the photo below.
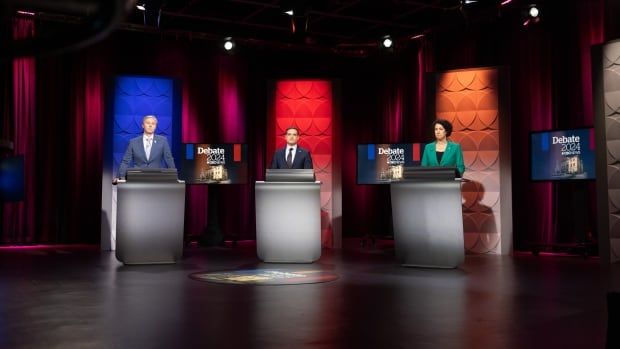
(147, 150)
(291, 156)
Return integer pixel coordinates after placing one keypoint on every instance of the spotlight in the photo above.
(533, 15)
(141, 7)
(289, 12)
(387, 42)
(25, 13)
(229, 44)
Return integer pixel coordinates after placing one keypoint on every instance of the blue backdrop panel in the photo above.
(137, 96)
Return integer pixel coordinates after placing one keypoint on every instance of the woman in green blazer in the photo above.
(443, 152)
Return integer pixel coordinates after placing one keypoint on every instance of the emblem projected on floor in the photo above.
(265, 277)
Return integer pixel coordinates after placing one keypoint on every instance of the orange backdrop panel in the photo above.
(469, 100)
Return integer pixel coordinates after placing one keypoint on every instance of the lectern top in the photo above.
(135, 175)
(430, 173)
(289, 175)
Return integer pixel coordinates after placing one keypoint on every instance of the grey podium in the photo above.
(288, 217)
(150, 217)
(428, 218)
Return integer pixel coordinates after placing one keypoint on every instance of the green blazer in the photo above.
(453, 156)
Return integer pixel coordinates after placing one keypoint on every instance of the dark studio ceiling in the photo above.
(340, 26)
(331, 24)
(322, 21)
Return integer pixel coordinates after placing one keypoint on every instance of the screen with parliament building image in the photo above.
(384, 163)
(210, 163)
(562, 155)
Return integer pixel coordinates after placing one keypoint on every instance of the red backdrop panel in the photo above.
(308, 106)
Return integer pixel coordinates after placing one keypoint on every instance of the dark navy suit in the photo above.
(302, 159)
(160, 150)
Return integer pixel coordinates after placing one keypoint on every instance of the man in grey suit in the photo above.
(147, 150)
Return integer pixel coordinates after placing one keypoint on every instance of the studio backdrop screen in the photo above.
(209, 163)
(383, 163)
(562, 155)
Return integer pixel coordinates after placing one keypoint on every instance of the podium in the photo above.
(428, 218)
(150, 217)
(288, 217)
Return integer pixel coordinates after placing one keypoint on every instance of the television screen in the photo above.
(384, 163)
(562, 155)
(210, 163)
(12, 179)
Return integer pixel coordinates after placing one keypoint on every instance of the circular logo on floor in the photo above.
(265, 276)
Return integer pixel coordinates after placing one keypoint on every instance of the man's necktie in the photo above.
(289, 158)
(147, 150)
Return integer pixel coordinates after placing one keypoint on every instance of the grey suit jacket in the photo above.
(160, 150)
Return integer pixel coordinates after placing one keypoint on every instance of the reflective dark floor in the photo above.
(79, 297)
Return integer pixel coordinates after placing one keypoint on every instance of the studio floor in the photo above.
(80, 297)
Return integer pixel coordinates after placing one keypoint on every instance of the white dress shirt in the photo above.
(145, 141)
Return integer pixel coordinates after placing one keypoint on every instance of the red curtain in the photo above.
(236, 204)
(85, 145)
(382, 102)
(214, 102)
(71, 109)
(591, 32)
(423, 65)
(393, 110)
(18, 221)
(57, 125)
(552, 88)
(193, 129)
(533, 111)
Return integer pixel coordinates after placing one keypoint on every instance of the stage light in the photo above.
(229, 44)
(505, 2)
(533, 15)
(290, 12)
(141, 7)
(387, 42)
(418, 36)
(25, 13)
